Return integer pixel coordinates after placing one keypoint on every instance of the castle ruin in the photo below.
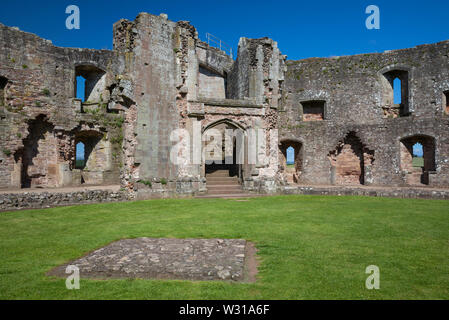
(338, 114)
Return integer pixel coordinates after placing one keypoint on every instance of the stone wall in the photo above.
(356, 90)
(41, 118)
(35, 200)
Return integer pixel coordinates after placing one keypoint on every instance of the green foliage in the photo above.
(46, 92)
(7, 152)
(80, 163)
(145, 182)
(163, 181)
(418, 162)
(24, 66)
(118, 139)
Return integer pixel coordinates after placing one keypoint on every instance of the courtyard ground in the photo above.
(309, 247)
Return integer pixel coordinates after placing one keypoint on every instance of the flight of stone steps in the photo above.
(221, 185)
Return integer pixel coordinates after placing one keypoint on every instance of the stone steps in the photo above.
(228, 196)
(221, 185)
(222, 181)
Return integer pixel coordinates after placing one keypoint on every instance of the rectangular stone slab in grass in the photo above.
(162, 258)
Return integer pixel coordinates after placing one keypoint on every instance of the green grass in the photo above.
(418, 161)
(310, 247)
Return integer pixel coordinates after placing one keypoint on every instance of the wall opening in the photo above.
(313, 110)
(291, 160)
(38, 155)
(95, 151)
(90, 79)
(397, 91)
(223, 145)
(80, 88)
(395, 94)
(351, 162)
(417, 155)
(3, 83)
(80, 161)
(446, 101)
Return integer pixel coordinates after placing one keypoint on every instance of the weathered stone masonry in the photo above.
(338, 113)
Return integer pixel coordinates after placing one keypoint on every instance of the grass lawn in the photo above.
(418, 161)
(310, 247)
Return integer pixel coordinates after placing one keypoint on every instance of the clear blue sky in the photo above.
(302, 28)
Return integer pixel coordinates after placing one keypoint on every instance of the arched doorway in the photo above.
(417, 159)
(223, 148)
(291, 160)
(350, 161)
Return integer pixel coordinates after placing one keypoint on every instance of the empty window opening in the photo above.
(3, 83)
(446, 101)
(349, 161)
(395, 94)
(397, 87)
(80, 88)
(92, 156)
(313, 110)
(291, 153)
(418, 159)
(89, 83)
(417, 155)
(80, 162)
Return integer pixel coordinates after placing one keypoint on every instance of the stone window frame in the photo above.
(406, 75)
(445, 102)
(299, 156)
(321, 100)
(424, 140)
(3, 83)
(83, 69)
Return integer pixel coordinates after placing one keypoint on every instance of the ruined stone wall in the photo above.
(354, 89)
(41, 85)
(338, 112)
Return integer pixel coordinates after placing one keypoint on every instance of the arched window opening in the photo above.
(417, 155)
(80, 161)
(446, 101)
(290, 157)
(397, 88)
(89, 83)
(92, 156)
(291, 153)
(395, 85)
(80, 88)
(418, 159)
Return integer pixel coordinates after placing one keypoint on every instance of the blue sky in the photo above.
(302, 28)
